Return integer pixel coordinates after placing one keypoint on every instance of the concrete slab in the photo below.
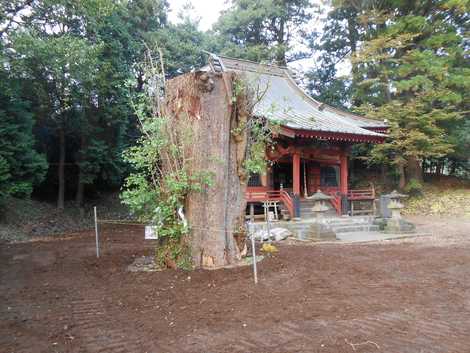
(357, 237)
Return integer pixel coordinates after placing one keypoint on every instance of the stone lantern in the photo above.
(319, 206)
(320, 228)
(395, 205)
(396, 224)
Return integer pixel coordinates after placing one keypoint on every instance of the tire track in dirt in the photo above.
(18, 320)
(96, 329)
(404, 299)
(255, 338)
(407, 334)
(23, 311)
(102, 329)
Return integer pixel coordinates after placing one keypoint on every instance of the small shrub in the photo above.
(174, 253)
(414, 188)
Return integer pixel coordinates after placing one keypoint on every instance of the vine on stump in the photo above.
(199, 145)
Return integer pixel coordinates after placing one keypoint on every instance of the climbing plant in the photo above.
(260, 131)
(156, 188)
(163, 172)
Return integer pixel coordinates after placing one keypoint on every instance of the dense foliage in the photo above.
(263, 30)
(21, 166)
(155, 193)
(70, 67)
(410, 67)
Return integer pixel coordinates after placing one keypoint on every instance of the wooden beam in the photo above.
(343, 184)
(337, 136)
(296, 173)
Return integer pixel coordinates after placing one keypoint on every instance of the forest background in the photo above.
(71, 70)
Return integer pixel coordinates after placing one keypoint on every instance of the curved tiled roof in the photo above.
(281, 99)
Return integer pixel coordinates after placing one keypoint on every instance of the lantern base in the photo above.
(399, 226)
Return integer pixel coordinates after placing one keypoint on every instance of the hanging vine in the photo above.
(260, 131)
(156, 189)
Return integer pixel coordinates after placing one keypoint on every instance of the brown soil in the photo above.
(398, 297)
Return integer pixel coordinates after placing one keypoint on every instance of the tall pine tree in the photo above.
(262, 30)
(415, 73)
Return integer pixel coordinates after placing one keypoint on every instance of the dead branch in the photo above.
(353, 345)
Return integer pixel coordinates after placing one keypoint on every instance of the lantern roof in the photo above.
(319, 196)
(396, 195)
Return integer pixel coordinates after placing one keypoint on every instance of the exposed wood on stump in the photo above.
(217, 214)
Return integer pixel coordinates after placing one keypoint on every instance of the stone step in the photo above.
(312, 215)
(351, 223)
(344, 226)
(302, 229)
(306, 224)
(356, 228)
(349, 220)
(298, 226)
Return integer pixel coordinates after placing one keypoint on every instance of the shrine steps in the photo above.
(328, 228)
(307, 213)
(355, 227)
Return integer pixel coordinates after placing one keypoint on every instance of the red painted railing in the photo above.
(272, 195)
(353, 195)
(336, 200)
(361, 194)
(261, 194)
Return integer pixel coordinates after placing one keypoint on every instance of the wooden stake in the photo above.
(252, 235)
(96, 233)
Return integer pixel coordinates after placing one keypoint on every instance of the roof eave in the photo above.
(332, 136)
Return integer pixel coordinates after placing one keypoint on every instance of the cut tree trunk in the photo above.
(216, 214)
(61, 170)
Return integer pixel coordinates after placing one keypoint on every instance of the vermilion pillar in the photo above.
(343, 183)
(296, 173)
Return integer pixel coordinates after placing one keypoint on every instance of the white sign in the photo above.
(151, 233)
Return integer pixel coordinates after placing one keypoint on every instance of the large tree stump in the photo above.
(217, 213)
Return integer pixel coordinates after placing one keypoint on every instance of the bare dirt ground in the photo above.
(397, 296)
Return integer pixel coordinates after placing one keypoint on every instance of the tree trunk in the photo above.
(414, 169)
(383, 174)
(80, 181)
(61, 169)
(439, 168)
(281, 50)
(352, 38)
(401, 171)
(217, 214)
(80, 191)
(424, 166)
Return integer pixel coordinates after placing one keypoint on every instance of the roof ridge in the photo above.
(252, 62)
(325, 112)
(287, 71)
